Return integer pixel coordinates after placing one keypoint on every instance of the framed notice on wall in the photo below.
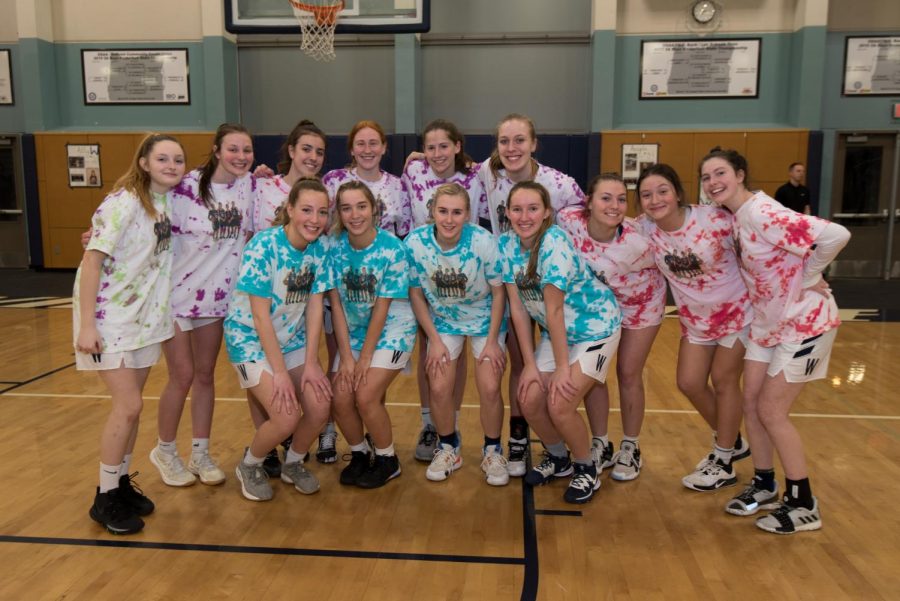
(636, 158)
(6, 87)
(872, 66)
(136, 76)
(84, 165)
(700, 69)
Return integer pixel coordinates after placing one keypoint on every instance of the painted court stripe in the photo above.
(558, 512)
(466, 406)
(86, 542)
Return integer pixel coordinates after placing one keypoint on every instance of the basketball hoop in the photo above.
(317, 19)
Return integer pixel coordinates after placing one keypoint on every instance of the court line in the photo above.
(529, 540)
(559, 513)
(129, 544)
(51, 395)
(36, 378)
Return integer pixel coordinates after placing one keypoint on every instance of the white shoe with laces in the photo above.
(495, 467)
(627, 462)
(203, 466)
(446, 460)
(171, 468)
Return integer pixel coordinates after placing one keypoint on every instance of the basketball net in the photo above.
(317, 19)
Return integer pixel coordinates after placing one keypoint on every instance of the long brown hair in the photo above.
(607, 176)
(531, 270)
(733, 158)
(668, 173)
(304, 128)
(212, 161)
(301, 185)
(461, 160)
(360, 125)
(137, 179)
(496, 164)
(338, 226)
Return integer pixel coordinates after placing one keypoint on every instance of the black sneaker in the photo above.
(110, 510)
(359, 465)
(383, 469)
(583, 484)
(272, 464)
(132, 495)
(550, 467)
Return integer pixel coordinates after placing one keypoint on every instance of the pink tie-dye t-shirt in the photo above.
(626, 264)
(208, 242)
(699, 263)
(564, 192)
(772, 243)
(421, 182)
(392, 210)
(270, 196)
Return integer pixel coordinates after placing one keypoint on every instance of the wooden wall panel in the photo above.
(66, 211)
(768, 153)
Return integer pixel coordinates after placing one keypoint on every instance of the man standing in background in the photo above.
(794, 195)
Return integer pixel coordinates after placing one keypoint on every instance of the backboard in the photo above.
(358, 16)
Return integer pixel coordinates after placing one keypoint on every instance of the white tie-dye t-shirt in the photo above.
(564, 192)
(772, 243)
(208, 243)
(699, 263)
(625, 264)
(421, 182)
(270, 194)
(272, 268)
(392, 210)
(590, 310)
(456, 282)
(132, 309)
(363, 275)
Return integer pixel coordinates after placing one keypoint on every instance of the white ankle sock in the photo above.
(199, 446)
(426, 417)
(109, 477)
(293, 456)
(126, 464)
(386, 452)
(169, 448)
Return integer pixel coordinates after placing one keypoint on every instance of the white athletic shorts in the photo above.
(186, 324)
(800, 361)
(249, 373)
(727, 341)
(383, 358)
(594, 357)
(455, 344)
(147, 356)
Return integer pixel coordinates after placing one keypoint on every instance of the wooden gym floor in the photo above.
(460, 539)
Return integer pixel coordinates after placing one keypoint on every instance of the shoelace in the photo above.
(327, 440)
(546, 465)
(748, 495)
(444, 456)
(581, 482)
(782, 514)
(626, 454)
(495, 460)
(206, 462)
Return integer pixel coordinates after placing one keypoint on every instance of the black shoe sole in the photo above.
(109, 529)
(377, 483)
(332, 458)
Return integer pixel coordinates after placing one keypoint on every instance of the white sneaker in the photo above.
(445, 461)
(602, 455)
(171, 468)
(788, 520)
(516, 462)
(203, 466)
(709, 458)
(713, 476)
(627, 462)
(753, 499)
(495, 467)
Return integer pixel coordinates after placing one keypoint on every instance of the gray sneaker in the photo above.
(254, 482)
(302, 479)
(427, 444)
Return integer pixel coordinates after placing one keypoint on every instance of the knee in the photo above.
(769, 416)
(318, 413)
(689, 387)
(205, 374)
(129, 411)
(182, 375)
(285, 424)
(629, 378)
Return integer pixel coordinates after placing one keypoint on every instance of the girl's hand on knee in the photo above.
(361, 370)
(284, 396)
(315, 380)
(437, 358)
(562, 388)
(495, 355)
(344, 375)
(530, 377)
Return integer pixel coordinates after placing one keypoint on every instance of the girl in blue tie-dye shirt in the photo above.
(375, 330)
(579, 319)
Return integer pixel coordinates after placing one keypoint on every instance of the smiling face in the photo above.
(608, 203)
(356, 212)
(515, 144)
(308, 216)
(451, 212)
(527, 213)
(440, 152)
(235, 155)
(367, 149)
(307, 155)
(658, 198)
(164, 164)
(720, 182)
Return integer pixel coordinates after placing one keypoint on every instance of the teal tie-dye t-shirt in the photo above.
(590, 310)
(361, 276)
(272, 268)
(456, 282)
